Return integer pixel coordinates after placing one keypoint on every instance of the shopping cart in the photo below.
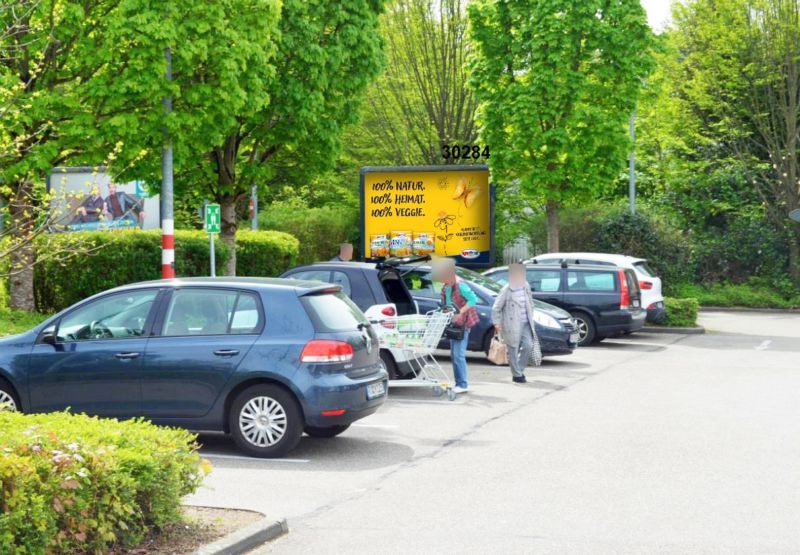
(417, 336)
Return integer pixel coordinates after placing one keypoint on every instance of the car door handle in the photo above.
(127, 356)
(226, 353)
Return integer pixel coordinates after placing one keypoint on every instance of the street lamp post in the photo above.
(632, 168)
(167, 212)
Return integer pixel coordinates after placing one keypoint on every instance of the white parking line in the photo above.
(441, 402)
(252, 459)
(764, 345)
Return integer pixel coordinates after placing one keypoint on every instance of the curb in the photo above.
(698, 330)
(748, 309)
(247, 538)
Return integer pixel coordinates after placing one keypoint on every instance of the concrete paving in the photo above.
(647, 444)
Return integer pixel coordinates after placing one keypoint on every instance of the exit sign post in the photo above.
(213, 218)
(213, 225)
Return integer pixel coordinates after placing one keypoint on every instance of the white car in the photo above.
(649, 283)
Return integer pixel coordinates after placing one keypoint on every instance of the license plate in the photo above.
(574, 337)
(376, 390)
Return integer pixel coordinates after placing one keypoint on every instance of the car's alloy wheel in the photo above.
(583, 329)
(586, 329)
(266, 421)
(262, 421)
(6, 400)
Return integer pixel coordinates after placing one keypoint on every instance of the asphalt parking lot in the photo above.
(648, 443)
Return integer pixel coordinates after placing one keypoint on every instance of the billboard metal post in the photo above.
(167, 218)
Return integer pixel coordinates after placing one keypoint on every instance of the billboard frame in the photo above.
(435, 168)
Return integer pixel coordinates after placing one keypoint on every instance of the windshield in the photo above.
(486, 282)
(333, 312)
(644, 269)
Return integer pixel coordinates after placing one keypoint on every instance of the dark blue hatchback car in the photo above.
(261, 359)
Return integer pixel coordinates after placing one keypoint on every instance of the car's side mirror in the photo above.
(48, 336)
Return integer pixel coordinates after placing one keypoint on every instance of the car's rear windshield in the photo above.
(333, 312)
(644, 269)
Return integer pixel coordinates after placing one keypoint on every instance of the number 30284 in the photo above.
(464, 152)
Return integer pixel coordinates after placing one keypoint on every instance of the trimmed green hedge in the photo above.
(320, 229)
(119, 257)
(265, 253)
(755, 294)
(681, 313)
(75, 484)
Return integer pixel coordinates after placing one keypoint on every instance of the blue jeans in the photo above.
(458, 354)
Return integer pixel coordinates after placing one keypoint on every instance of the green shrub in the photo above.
(75, 484)
(122, 257)
(265, 253)
(740, 248)
(681, 312)
(18, 321)
(3, 292)
(757, 293)
(320, 230)
(4, 280)
(613, 229)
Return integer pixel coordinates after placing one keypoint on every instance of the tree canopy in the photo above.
(557, 81)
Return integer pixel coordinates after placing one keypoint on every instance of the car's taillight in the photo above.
(624, 292)
(388, 311)
(645, 285)
(326, 350)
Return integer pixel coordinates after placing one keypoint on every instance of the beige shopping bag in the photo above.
(498, 353)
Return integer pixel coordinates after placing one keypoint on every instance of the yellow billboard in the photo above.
(441, 210)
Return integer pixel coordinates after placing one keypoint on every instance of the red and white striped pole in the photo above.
(167, 217)
(167, 248)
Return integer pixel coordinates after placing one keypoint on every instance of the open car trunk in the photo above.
(397, 292)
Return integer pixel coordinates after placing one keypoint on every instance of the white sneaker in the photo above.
(458, 389)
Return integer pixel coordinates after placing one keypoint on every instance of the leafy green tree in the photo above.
(327, 54)
(421, 100)
(223, 58)
(46, 64)
(735, 78)
(557, 81)
(83, 81)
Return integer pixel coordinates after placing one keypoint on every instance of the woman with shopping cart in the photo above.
(512, 316)
(457, 294)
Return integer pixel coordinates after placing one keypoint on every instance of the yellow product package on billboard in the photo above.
(439, 210)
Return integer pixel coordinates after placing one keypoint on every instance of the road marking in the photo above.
(252, 459)
(391, 426)
(764, 345)
(441, 402)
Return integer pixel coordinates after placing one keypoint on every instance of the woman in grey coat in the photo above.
(512, 317)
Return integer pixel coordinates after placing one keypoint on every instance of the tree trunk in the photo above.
(228, 232)
(552, 226)
(23, 255)
(21, 293)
